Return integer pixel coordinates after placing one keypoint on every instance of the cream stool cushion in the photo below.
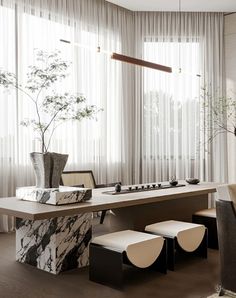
(207, 213)
(142, 249)
(189, 235)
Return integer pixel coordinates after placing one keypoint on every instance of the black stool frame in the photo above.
(173, 247)
(106, 264)
(210, 223)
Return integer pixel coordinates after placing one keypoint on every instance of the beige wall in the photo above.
(230, 68)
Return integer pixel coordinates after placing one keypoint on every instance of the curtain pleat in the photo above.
(172, 131)
(103, 146)
(139, 136)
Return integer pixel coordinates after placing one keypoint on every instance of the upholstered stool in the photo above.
(109, 252)
(181, 236)
(207, 217)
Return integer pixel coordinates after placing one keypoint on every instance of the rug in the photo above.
(227, 294)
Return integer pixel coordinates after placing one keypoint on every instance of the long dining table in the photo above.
(56, 238)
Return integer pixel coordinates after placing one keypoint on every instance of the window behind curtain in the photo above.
(91, 74)
(90, 144)
(7, 61)
(8, 105)
(171, 110)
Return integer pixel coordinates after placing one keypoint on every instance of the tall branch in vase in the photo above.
(219, 114)
(57, 108)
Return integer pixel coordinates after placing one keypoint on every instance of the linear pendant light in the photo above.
(128, 59)
(140, 62)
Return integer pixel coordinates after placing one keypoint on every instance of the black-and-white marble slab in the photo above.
(54, 196)
(54, 245)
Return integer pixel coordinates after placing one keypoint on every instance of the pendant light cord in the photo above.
(179, 38)
(98, 39)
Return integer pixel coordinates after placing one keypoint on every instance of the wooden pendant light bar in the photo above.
(140, 62)
(131, 60)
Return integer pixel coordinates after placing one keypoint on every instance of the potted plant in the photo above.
(219, 113)
(52, 108)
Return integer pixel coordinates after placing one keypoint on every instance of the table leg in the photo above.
(54, 245)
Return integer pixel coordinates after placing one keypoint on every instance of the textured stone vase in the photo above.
(48, 168)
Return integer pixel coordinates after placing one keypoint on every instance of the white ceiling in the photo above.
(173, 5)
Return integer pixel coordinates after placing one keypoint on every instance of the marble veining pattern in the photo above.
(54, 196)
(56, 244)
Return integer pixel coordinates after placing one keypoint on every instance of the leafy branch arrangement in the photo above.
(55, 107)
(219, 114)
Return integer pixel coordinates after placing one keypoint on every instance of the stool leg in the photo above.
(161, 262)
(103, 216)
(202, 249)
(171, 253)
(106, 266)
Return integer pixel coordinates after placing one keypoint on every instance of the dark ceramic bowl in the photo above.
(118, 187)
(173, 182)
(192, 180)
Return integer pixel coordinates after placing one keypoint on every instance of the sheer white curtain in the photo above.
(169, 116)
(101, 145)
(131, 141)
(8, 112)
(171, 111)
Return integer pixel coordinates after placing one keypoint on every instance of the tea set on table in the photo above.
(173, 182)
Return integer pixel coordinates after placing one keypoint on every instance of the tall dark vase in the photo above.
(48, 168)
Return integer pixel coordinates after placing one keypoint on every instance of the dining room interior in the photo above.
(117, 148)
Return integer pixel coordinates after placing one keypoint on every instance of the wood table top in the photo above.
(100, 201)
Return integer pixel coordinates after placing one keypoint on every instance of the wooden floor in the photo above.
(195, 278)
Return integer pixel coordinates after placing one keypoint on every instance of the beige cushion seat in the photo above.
(142, 249)
(189, 236)
(207, 213)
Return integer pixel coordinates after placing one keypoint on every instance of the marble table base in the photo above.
(54, 245)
